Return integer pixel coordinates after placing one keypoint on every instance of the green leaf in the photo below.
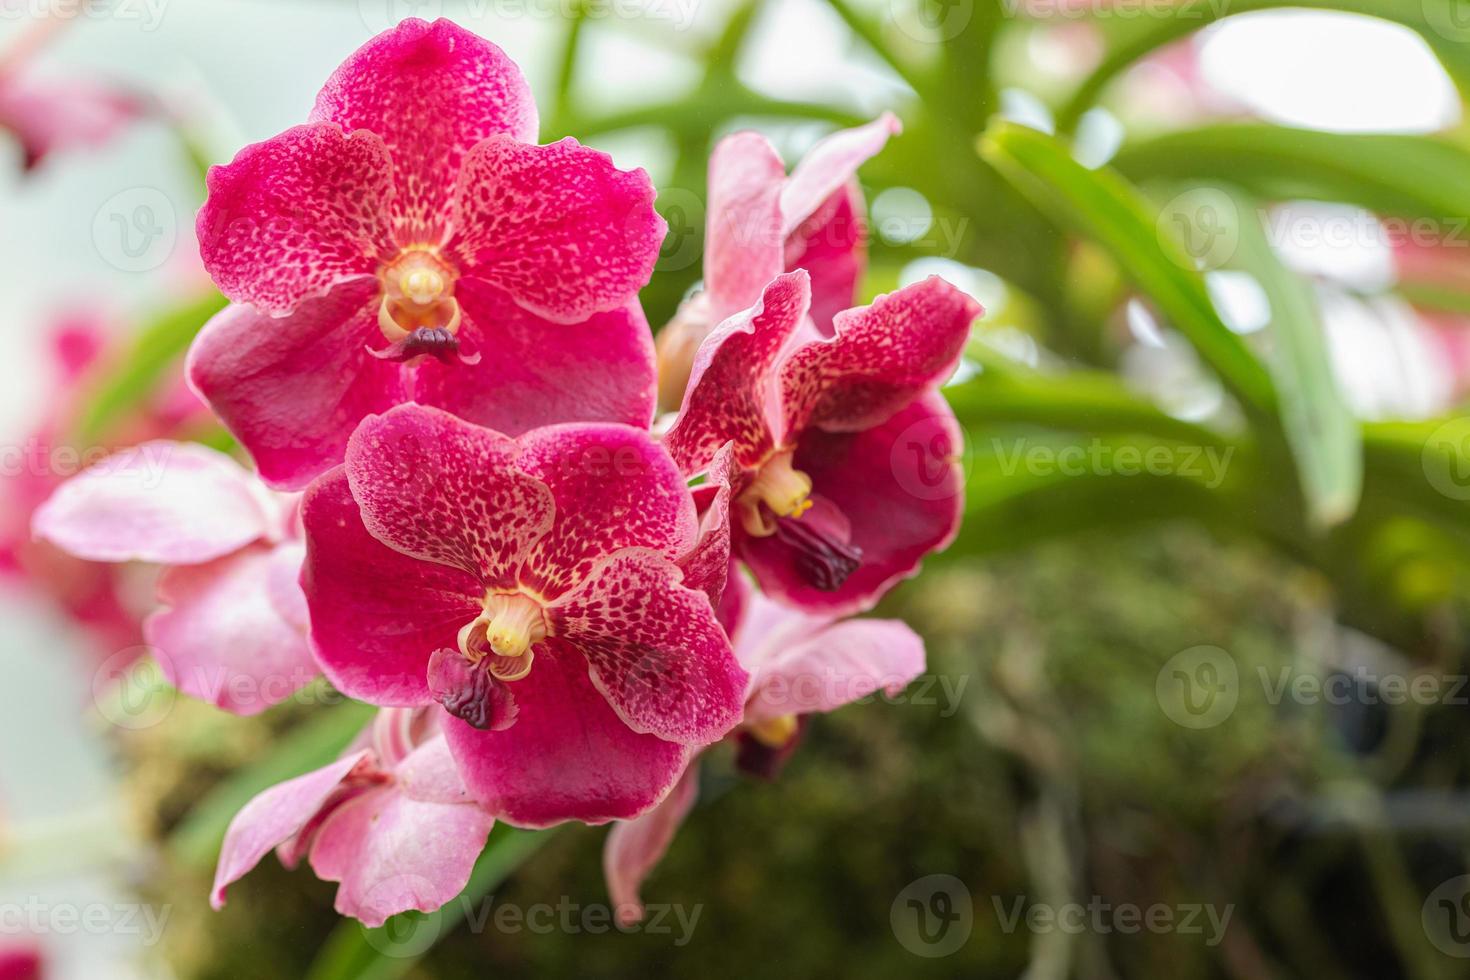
(1404, 176)
(196, 840)
(354, 952)
(1324, 436)
(1104, 207)
(1076, 401)
(157, 347)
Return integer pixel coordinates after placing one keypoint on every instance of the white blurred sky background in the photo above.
(252, 67)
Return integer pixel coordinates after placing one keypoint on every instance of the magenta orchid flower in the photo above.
(412, 243)
(799, 664)
(845, 467)
(390, 820)
(531, 586)
(232, 630)
(762, 222)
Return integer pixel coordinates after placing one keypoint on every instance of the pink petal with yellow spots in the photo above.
(559, 228)
(293, 216)
(430, 92)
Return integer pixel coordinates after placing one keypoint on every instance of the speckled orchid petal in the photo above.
(165, 502)
(655, 648)
(393, 853)
(532, 372)
(898, 487)
(831, 246)
(615, 487)
(707, 566)
(223, 640)
(635, 847)
(292, 389)
(882, 357)
(829, 165)
(291, 217)
(568, 756)
(430, 92)
(802, 663)
(729, 390)
(743, 230)
(376, 614)
(273, 817)
(439, 489)
(558, 228)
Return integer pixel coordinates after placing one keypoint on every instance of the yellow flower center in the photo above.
(778, 489)
(418, 293)
(774, 732)
(502, 636)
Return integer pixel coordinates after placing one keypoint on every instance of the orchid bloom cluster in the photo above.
(436, 358)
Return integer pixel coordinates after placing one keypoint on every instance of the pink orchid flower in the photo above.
(799, 664)
(762, 222)
(845, 465)
(412, 243)
(60, 114)
(232, 630)
(390, 820)
(531, 587)
(21, 960)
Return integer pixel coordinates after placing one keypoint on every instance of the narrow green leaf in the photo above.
(1104, 207)
(1321, 429)
(1412, 177)
(354, 952)
(1090, 402)
(157, 346)
(195, 842)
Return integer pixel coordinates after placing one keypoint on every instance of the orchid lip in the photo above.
(823, 561)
